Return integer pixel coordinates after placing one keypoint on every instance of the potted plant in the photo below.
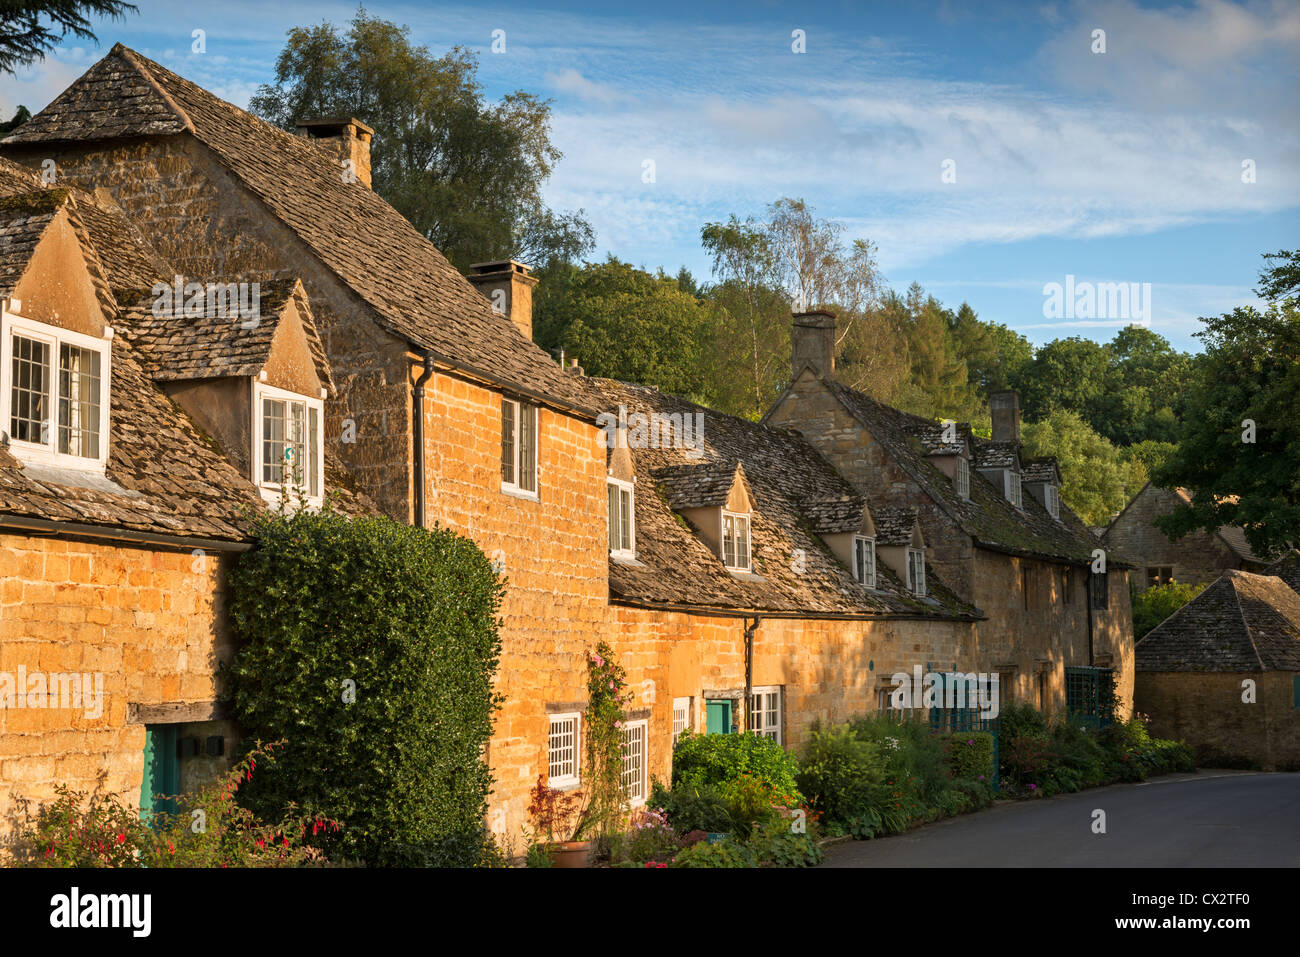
(561, 820)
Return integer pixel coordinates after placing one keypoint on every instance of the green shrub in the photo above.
(712, 760)
(843, 777)
(776, 844)
(693, 809)
(912, 754)
(724, 853)
(970, 754)
(1015, 720)
(370, 647)
(649, 838)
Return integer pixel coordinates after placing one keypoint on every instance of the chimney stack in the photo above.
(812, 343)
(347, 139)
(509, 288)
(1005, 406)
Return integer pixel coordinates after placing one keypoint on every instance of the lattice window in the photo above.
(621, 518)
(916, 571)
(765, 713)
(681, 717)
(562, 750)
(735, 541)
(864, 560)
(962, 479)
(518, 446)
(29, 404)
(634, 775)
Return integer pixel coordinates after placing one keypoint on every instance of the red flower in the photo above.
(121, 839)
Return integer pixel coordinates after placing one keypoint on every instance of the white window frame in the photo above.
(1052, 499)
(682, 715)
(568, 778)
(737, 517)
(916, 587)
(961, 480)
(765, 718)
(521, 467)
(858, 575)
(634, 778)
(273, 492)
(1012, 488)
(623, 488)
(47, 453)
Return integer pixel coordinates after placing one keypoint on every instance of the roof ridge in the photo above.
(1236, 595)
(133, 58)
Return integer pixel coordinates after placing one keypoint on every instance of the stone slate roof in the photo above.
(988, 517)
(1241, 622)
(1287, 568)
(793, 490)
(701, 485)
(894, 524)
(1234, 537)
(23, 220)
(1042, 469)
(995, 455)
(414, 291)
(179, 347)
(163, 475)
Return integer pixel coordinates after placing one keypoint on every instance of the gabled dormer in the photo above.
(715, 498)
(55, 337)
(1042, 477)
(999, 462)
(901, 545)
(244, 359)
(948, 448)
(849, 531)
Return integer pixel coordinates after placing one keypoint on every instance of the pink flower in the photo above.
(600, 662)
(611, 684)
(618, 724)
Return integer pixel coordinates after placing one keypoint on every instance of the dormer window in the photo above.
(961, 481)
(289, 442)
(54, 394)
(916, 572)
(1013, 487)
(518, 447)
(622, 526)
(1052, 501)
(735, 541)
(864, 560)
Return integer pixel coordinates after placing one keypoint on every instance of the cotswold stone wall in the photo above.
(1207, 711)
(149, 623)
(1196, 557)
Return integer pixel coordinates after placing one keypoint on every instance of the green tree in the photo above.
(1239, 449)
(467, 173)
(29, 29)
(994, 354)
(21, 116)
(624, 323)
(1158, 602)
(1097, 480)
(1065, 374)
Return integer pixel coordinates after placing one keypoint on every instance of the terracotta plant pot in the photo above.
(570, 853)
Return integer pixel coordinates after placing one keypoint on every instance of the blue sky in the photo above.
(1122, 166)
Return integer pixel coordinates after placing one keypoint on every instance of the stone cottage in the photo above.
(119, 514)
(1223, 672)
(1057, 618)
(746, 577)
(1196, 558)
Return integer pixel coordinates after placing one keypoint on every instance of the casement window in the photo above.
(1013, 487)
(864, 560)
(916, 571)
(1066, 583)
(54, 394)
(562, 750)
(1027, 585)
(288, 443)
(1100, 591)
(1052, 499)
(962, 479)
(1160, 575)
(885, 701)
(681, 717)
(765, 713)
(622, 527)
(735, 541)
(635, 764)
(518, 447)
(1042, 688)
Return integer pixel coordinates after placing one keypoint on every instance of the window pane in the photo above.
(527, 447)
(742, 542)
(728, 541)
(314, 444)
(79, 401)
(613, 517)
(508, 442)
(625, 519)
(273, 440)
(30, 395)
(295, 443)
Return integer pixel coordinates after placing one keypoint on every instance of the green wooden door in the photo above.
(162, 770)
(717, 716)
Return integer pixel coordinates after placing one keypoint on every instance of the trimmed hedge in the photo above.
(703, 761)
(970, 755)
(370, 646)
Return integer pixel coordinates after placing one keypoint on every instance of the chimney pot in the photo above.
(812, 343)
(346, 138)
(508, 286)
(1005, 406)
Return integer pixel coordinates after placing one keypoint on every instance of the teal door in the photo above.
(162, 770)
(717, 715)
